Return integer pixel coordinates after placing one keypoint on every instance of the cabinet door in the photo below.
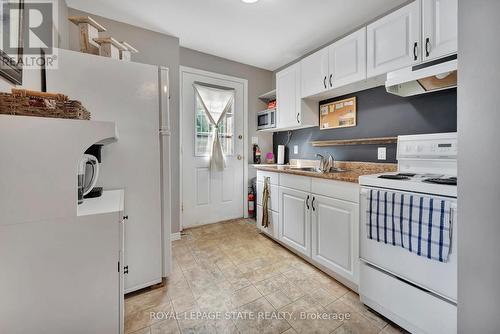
(288, 96)
(393, 42)
(294, 220)
(314, 73)
(347, 59)
(335, 235)
(272, 229)
(273, 196)
(439, 31)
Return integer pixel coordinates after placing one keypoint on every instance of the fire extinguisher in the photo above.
(251, 204)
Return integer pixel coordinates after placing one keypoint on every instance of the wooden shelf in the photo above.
(360, 141)
(269, 96)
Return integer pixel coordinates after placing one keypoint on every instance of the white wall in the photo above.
(479, 166)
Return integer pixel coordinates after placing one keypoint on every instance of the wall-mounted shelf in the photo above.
(359, 141)
(269, 96)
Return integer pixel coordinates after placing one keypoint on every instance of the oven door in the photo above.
(266, 120)
(437, 277)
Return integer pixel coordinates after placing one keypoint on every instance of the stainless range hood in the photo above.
(423, 78)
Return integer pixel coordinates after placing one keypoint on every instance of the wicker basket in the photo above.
(28, 103)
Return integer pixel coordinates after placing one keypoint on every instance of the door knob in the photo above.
(240, 137)
(238, 157)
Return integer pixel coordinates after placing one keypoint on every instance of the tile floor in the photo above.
(228, 278)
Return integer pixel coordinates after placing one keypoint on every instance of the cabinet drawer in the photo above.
(274, 177)
(346, 191)
(273, 196)
(272, 229)
(295, 182)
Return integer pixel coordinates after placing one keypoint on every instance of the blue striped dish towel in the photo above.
(419, 224)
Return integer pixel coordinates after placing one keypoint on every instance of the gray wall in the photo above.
(259, 81)
(478, 167)
(155, 49)
(379, 114)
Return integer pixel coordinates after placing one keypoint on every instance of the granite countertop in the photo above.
(353, 170)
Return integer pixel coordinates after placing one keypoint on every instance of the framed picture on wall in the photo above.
(338, 114)
(11, 43)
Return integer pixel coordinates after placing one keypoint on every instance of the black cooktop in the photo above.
(400, 176)
(452, 181)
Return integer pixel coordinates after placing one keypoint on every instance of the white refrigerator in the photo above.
(136, 97)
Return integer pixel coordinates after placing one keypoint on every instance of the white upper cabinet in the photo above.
(314, 69)
(292, 111)
(287, 93)
(439, 29)
(394, 41)
(339, 64)
(347, 59)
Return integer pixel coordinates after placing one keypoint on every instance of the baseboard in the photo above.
(175, 236)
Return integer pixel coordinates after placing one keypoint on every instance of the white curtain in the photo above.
(216, 103)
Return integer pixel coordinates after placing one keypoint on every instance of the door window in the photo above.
(216, 100)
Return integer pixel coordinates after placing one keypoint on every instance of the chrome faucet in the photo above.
(325, 165)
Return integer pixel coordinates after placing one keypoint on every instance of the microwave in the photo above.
(266, 119)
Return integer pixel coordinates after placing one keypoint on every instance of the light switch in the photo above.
(382, 153)
(255, 140)
(295, 149)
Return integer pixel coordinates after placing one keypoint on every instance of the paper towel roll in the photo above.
(281, 154)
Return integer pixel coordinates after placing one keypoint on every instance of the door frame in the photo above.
(186, 69)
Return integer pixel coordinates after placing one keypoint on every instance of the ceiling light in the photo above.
(249, 1)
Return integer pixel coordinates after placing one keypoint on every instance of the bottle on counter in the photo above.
(256, 154)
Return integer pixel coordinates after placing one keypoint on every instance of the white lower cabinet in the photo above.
(272, 229)
(318, 219)
(334, 235)
(295, 219)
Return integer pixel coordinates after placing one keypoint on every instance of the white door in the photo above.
(347, 59)
(288, 96)
(393, 42)
(295, 220)
(314, 73)
(439, 28)
(210, 196)
(334, 238)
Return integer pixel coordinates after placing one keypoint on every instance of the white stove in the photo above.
(415, 292)
(426, 164)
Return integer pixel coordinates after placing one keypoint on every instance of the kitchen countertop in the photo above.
(353, 170)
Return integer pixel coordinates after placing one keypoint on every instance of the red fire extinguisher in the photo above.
(251, 204)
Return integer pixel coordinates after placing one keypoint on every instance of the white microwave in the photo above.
(266, 119)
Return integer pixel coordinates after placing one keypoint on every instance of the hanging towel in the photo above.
(419, 224)
(265, 203)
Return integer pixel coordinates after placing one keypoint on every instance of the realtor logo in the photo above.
(28, 32)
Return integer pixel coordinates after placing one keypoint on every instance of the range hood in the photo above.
(423, 78)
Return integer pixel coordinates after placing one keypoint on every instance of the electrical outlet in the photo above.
(255, 140)
(382, 153)
(295, 149)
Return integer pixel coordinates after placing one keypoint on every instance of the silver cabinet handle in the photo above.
(415, 46)
(312, 203)
(427, 46)
(298, 115)
(331, 77)
(307, 202)
(238, 157)
(324, 81)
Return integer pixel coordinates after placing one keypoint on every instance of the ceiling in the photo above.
(267, 34)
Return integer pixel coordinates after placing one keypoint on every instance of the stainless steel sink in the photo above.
(306, 169)
(317, 170)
